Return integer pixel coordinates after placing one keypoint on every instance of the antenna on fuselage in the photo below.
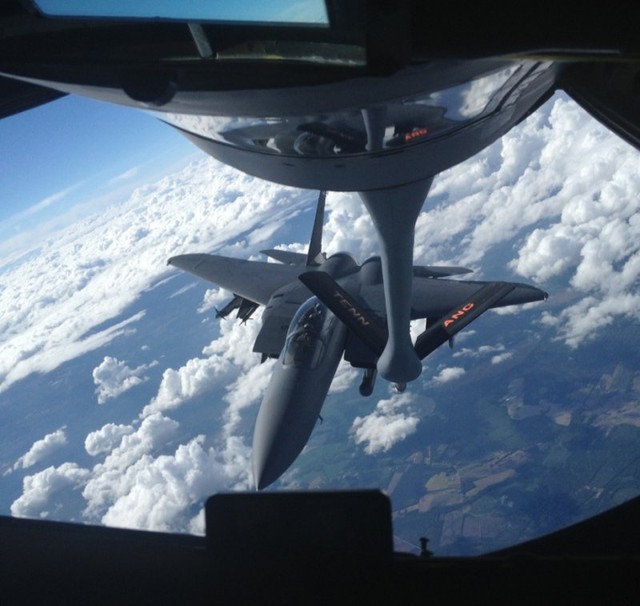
(314, 255)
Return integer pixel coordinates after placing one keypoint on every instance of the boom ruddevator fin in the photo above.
(460, 316)
(365, 325)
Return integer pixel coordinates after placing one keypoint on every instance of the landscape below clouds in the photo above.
(172, 393)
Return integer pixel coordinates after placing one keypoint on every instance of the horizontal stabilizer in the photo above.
(438, 271)
(461, 315)
(363, 324)
(286, 256)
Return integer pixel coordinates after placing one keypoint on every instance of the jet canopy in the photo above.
(308, 335)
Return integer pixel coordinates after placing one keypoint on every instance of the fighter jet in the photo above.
(319, 309)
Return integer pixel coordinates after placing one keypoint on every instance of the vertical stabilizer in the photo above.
(315, 244)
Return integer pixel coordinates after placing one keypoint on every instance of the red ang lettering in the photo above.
(458, 314)
(414, 134)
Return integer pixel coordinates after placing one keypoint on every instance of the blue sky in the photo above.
(312, 11)
(76, 151)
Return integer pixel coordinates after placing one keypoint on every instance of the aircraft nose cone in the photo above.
(279, 438)
(287, 416)
(263, 474)
(285, 421)
(274, 450)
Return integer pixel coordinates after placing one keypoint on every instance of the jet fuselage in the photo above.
(297, 390)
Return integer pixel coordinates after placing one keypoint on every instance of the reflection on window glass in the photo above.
(254, 11)
(381, 127)
(323, 53)
(472, 98)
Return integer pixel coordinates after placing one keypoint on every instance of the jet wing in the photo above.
(431, 298)
(253, 280)
(434, 298)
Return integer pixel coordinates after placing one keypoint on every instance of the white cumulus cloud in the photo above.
(113, 377)
(41, 449)
(449, 374)
(40, 489)
(146, 482)
(106, 438)
(386, 425)
(92, 271)
(503, 357)
(213, 298)
(226, 356)
(159, 494)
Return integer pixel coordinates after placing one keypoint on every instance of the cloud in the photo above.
(584, 320)
(213, 298)
(499, 358)
(135, 447)
(48, 351)
(41, 449)
(113, 377)
(557, 197)
(386, 425)
(177, 386)
(106, 438)
(183, 290)
(448, 374)
(483, 350)
(41, 205)
(344, 378)
(93, 270)
(144, 482)
(348, 227)
(159, 494)
(39, 489)
(125, 176)
(246, 390)
(226, 356)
